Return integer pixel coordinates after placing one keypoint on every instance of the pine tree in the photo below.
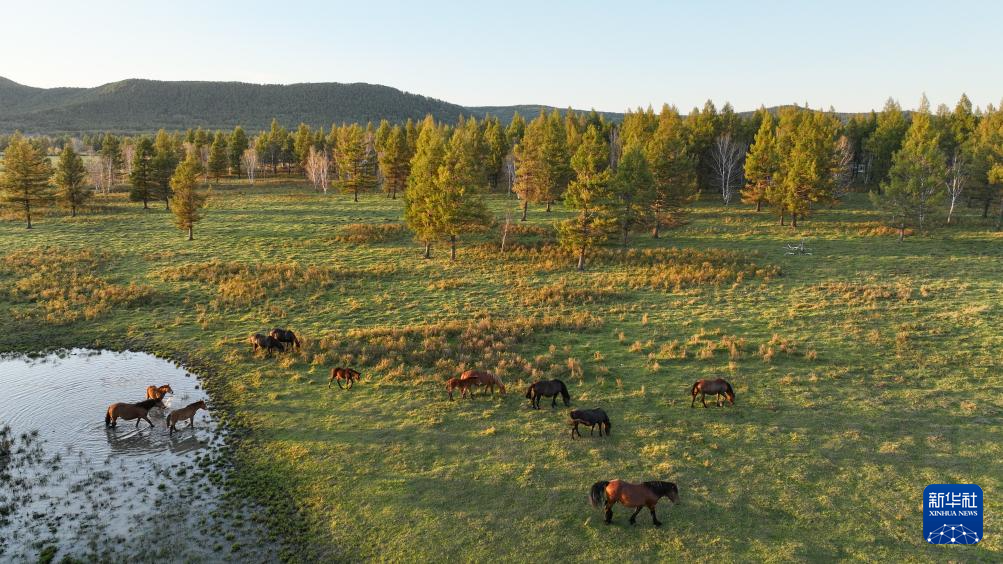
(590, 194)
(218, 160)
(395, 162)
(186, 201)
(516, 130)
(633, 190)
(26, 174)
(987, 168)
(760, 164)
(702, 129)
(420, 205)
(672, 168)
(497, 149)
(111, 157)
(165, 160)
(459, 202)
(142, 178)
(302, 141)
(70, 177)
(886, 140)
(916, 179)
(236, 146)
(542, 161)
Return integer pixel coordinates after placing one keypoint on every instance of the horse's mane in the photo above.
(730, 389)
(659, 487)
(147, 404)
(564, 390)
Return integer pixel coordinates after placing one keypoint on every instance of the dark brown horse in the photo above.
(339, 374)
(631, 495)
(463, 385)
(485, 379)
(548, 388)
(155, 392)
(284, 336)
(130, 411)
(591, 418)
(259, 341)
(187, 412)
(719, 387)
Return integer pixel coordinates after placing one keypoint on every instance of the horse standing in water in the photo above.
(187, 412)
(631, 495)
(349, 375)
(284, 336)
(130, 411)
(155, 392)
(591, 418)
(548, 388)
(718, 387)
(485, 379)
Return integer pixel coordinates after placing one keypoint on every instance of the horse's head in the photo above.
(729, 393)
(167, 389)
(201, 405)
(672, 493)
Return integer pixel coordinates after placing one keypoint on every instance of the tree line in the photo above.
(619, 177)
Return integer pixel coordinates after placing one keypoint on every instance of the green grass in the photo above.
(864, 372)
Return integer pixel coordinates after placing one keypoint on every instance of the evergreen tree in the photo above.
(236, 145)
(590, 195)
(165, 160)
(142, 179)
(497, 148)
(420, 198)
(987, 167)
(672, 169)
(542, 162)
(395, 162)
(806, 173)
(26, 173)
(516, 130)
(218, 160)
(186, 201)
(702, 130)
(459, 204)
(633, 190)
(302, 141)
(760, 164)
(916, 179)
(111, 157)
(70, 177)
(886, 140)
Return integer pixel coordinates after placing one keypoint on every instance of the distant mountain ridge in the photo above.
(139, 105)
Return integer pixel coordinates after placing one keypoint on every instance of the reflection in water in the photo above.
(99, 489)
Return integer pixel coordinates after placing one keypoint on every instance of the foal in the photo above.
(463, 385)
(187, 412)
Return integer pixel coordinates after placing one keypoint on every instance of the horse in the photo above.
(187, 412)
(338, 374)
(284, 336)
(486, 379)
(631, 495)
(259, 341)
(718, 387)
(463, 385)
(130, 411)
(590, 417)
(154, 392)
(548, 388)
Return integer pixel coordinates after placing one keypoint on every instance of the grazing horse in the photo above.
(486, 379)
(284, 336)
(548, 388)
(718, 387)
(631, 495)
(347, 374)
(463, 385)
(259, 341)
(187, 412)
(154, 392)
(590, 417)
(130, 411)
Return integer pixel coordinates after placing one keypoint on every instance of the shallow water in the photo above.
(106, 492)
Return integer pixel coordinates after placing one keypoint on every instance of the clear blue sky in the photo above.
(609, 55)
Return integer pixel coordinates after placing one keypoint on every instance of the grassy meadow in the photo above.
(863, 372)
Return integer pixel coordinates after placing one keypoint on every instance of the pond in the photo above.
(81, 489)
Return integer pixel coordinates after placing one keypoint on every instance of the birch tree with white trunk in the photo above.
(727, 156)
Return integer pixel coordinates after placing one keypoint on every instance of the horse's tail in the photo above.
(529, 391)
(693, 390)
(107, 418)
(296, 341)
(564, 393)
(597, 497)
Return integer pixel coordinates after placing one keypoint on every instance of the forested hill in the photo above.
(135, 105)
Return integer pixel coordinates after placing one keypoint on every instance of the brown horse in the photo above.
(130, 411)
(154, 392)
(718, 387)
(259, 341)
(347, 374)
(463, 385)
(284, 336)
(631, 495)
(485, 379)
(187, 412)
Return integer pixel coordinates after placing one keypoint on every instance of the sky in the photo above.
(613, 55)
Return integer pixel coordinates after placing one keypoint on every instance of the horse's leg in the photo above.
(574, 427)
(633, 518)
(138, 420)
(720, 399)
(703, 399)
(609, 511)
(694, 398)
(553, 402)
(654, 518)
(191, 421)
